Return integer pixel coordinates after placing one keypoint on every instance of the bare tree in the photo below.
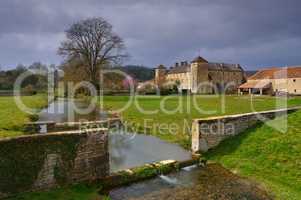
(93, 42)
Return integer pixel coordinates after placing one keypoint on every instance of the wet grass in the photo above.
(266, 155)
(12, 118)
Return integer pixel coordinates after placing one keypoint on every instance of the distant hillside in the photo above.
(139, 73)
(142, 73)
(250, 73)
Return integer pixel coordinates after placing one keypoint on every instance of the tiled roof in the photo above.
(180, 69)
(224, 67)
(161, 67)
(255, 84)
(211, 66)
(199, 59)
(277, 73)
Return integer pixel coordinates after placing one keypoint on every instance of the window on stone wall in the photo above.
(295, 91)
(294, 80)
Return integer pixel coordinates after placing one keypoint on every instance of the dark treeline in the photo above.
(139, 73)
(39, 82)
(35, 82)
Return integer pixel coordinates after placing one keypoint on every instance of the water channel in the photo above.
(129, 150)
(193, 183)
(63, 110)
(126, 150)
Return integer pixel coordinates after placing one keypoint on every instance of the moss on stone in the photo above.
(165, 169)
(145, 172)
(22, 159)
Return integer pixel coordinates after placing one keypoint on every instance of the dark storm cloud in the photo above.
(254, 33)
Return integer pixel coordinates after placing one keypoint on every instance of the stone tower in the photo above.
(199, 74)
(160, 73)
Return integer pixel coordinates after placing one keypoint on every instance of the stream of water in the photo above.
(129, 150)
(180, 179)
(126, 150)
(193, 183)
(63, 110)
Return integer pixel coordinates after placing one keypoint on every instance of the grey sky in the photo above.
(257, 33)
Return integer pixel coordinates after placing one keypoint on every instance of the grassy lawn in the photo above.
(262, 153)
(268, 156)
(77, 192)
(12, 118)
(175, 127)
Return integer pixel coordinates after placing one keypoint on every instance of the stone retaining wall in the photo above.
(147, 171)
(51, 126)
(44, 161)
(207, 133)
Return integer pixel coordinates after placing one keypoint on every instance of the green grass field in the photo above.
(12, 118)
(266, 155)
(175, 127)
(261, 153)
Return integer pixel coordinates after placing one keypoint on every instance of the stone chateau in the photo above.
(201, 76)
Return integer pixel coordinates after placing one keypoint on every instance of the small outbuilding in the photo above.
(256, 87)
(274, 80)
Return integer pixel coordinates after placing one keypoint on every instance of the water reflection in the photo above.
(63, 110)
(126, 149)
(182, 178)
(198, 183)
(129, 150)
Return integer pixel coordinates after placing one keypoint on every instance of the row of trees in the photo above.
(37, 81)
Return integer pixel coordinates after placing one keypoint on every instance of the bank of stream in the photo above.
(193, 183)
(129, 150)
